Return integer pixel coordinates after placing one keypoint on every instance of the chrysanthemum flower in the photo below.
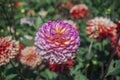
(8, 49)
(29, 57)
(101, 28)
(79, 11)
(57, 41)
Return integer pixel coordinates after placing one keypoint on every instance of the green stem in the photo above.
(111, 57)
(18, 72)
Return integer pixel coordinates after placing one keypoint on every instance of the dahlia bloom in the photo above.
(8, 49)
(79, 11)
(29, 57)
(60, 68)
(101, 28)
(57, 41)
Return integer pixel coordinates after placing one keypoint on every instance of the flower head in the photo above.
(101, 28)
(29, 57)
(61, 68)
(79, 11)
(8, 49)
(57, 41)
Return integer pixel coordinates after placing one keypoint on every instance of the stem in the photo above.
(89, 50)
(18, 72)
(111, 57)
(60, 76)
(69, 75)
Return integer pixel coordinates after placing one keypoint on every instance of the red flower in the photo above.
(18, 4)
(8, 49)
(69, 5)
(101, 28)
(21, 47)
(61, 68)
(118, 25)
(79, 11)
(117, 48)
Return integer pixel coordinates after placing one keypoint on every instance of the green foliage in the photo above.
(114, 68)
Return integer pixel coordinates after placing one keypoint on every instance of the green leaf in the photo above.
(10, 77)
(38, 22)
(114, 68)
(80, 76)
(48, 75)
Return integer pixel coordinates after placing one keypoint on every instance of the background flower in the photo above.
(61, 68)
(57, 41)
(29, 57)
(101, 28)
(8, 49)
(79, 11)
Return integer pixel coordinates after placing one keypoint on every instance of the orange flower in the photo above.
(18, 4)
(79, 11)
(29, 57)
(31, 12)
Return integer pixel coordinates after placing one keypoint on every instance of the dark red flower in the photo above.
(21, 47)
(79, 11)
(61, 68)
(118, 25)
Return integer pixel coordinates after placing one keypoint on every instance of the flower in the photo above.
(31, 12)
(118, 50)
(43, 13)
(69, 5)
(117, 47)
(29, 57)
(79, 11)
(118, 26)
(57, 41)
(8, 49)
(101, 28)
(72, 23)
(28, 21)
(18, 4)
(21, 47)
(28, 37)
(60, 68)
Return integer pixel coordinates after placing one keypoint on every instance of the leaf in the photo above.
(38, 22)
(48, 75)
(114, 68)
(80, 76)
(10, 77)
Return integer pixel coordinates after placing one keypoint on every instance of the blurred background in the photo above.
(22, 19)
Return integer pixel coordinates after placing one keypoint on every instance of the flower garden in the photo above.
(59, 40)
